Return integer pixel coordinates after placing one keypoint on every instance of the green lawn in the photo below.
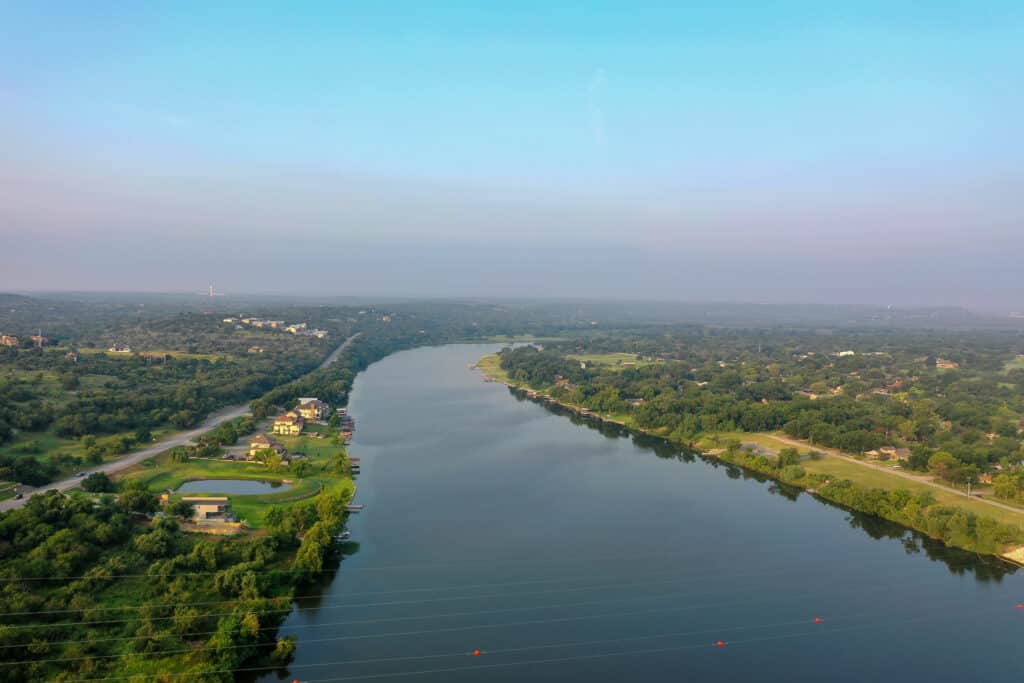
(613, 361)
(52, 447)
(491, 366)
(7, 489)
(163, 474)
(1015, 364)
(872, 478)
(176, 354)
(520, 339)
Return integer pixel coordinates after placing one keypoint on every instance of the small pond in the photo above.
(241, 487)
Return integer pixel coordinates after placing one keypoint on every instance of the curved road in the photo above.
(177, 439)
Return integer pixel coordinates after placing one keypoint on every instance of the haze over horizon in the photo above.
(794, 153)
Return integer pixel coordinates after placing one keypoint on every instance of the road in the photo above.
(176, 439)
(919, 478)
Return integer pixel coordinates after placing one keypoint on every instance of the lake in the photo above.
(564, 552)
(238, 487)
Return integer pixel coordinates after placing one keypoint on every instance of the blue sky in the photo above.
(837, 140)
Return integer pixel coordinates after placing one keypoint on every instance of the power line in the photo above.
(548, 646)
(384, 620)
(506, 650)
(393, 603)
(601, 655)
(433, 630)
(714, 573)
(632, 557)
(348, 606)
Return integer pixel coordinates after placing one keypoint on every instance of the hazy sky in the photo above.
(760, 151)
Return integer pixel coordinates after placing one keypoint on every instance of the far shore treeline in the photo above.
(937, 403)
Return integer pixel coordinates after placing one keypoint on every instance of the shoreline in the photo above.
(1011, 555)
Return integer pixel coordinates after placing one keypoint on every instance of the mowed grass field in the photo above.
(491, 367)
(871, 477)
(1015, 364)
(612, 361)
(176, 354)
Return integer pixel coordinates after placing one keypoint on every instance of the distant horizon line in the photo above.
(222, 296)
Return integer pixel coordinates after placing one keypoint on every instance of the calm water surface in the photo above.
(240, 487)
(565, 553)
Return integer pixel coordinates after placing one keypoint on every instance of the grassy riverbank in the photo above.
(939, 512)
(320, 473)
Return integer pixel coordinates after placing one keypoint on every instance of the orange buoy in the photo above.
(817, 620)
(476, 653)
(720, 644)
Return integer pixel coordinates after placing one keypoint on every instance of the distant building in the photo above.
(946, 364)
(39, 340)
(230, 321)
(9, 340)
(255, 349)
(289, 424)
(120, 348)
(313, 409)
(844, 354)
(209, 508)
(71, 356)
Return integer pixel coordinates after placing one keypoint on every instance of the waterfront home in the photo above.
(9, 340)
(120, 348)
(289, 424)
(262, 442)
(313, 409)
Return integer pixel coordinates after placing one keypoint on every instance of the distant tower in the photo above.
(211, 289)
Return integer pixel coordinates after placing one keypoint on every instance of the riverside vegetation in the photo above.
(960, 424)
(94, 585)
